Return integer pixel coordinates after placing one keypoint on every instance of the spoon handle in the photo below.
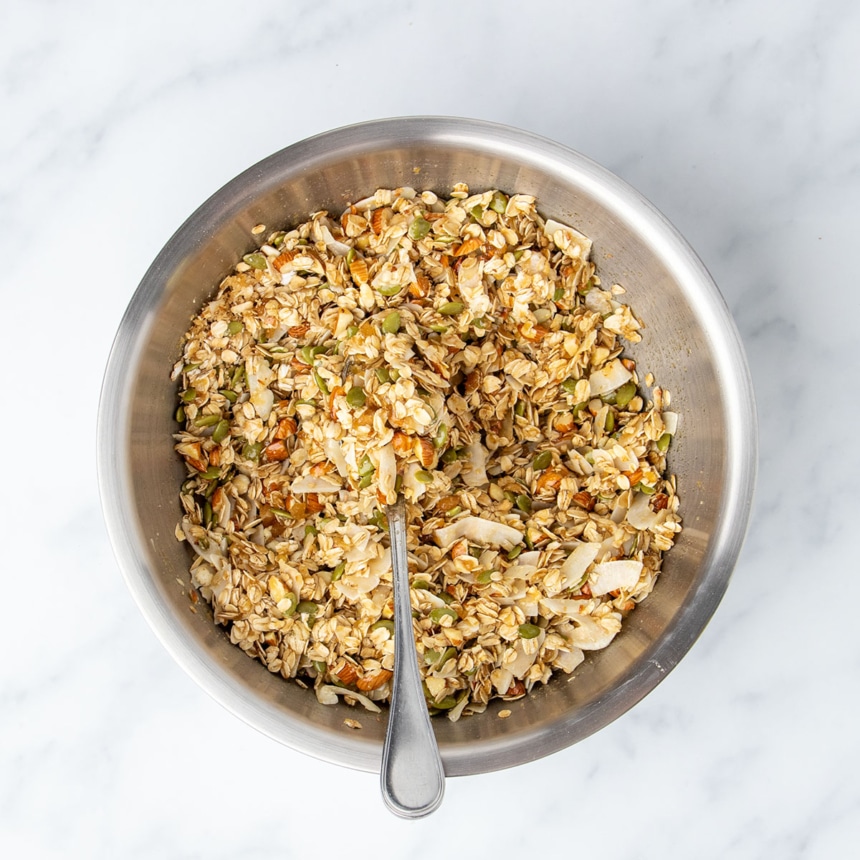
(412, 778)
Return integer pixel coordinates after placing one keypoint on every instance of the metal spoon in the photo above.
(412, 778)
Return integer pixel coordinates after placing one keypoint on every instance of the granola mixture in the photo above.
(460, 351)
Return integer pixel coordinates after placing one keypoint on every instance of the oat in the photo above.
(462, 352)
(352, 724)
(504, 714)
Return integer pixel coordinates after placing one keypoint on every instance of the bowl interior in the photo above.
(689, 344)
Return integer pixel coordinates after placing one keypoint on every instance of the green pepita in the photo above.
(440, 612)
(418, 229)
(307, 607)
(320, 382)
(529, 631)
(391, 323)
(499, 203)
(542, 461)
(625, 394)
(256, 261)
(383, 624)
(221, 431)
(390, 290)
(252, 450)
(450, 309)
(356, 397)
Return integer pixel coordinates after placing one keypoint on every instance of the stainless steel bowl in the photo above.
(690, 345)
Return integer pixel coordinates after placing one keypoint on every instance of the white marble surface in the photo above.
(740, 120)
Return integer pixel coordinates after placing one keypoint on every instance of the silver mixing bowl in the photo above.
(690, 345)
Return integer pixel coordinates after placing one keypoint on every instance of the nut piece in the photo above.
(425, 451)
(585, 500)
(402, 444)
(286, 428)
(347, 673)
(358, 270)
(276, 452)
(373, 680)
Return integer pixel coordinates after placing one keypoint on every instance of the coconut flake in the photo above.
(611, 575)
(413, 489)
(517, 589)
(386, 470)
(457, 711)
(567, 661)
(259, 375)
(474, 472)
(478, 531)
(521, 571)
(564, 607)
(670, 422)
(327, 695)
(640, 515)
(314, 484)
(599, 302)
(525, 658)
(354, 585)
(608, 378)
(589, 634)
(334, 453)
(575, 565)
(213, 553)
(571, 242)
(337, 248)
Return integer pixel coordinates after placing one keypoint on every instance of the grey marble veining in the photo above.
(739, 120)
